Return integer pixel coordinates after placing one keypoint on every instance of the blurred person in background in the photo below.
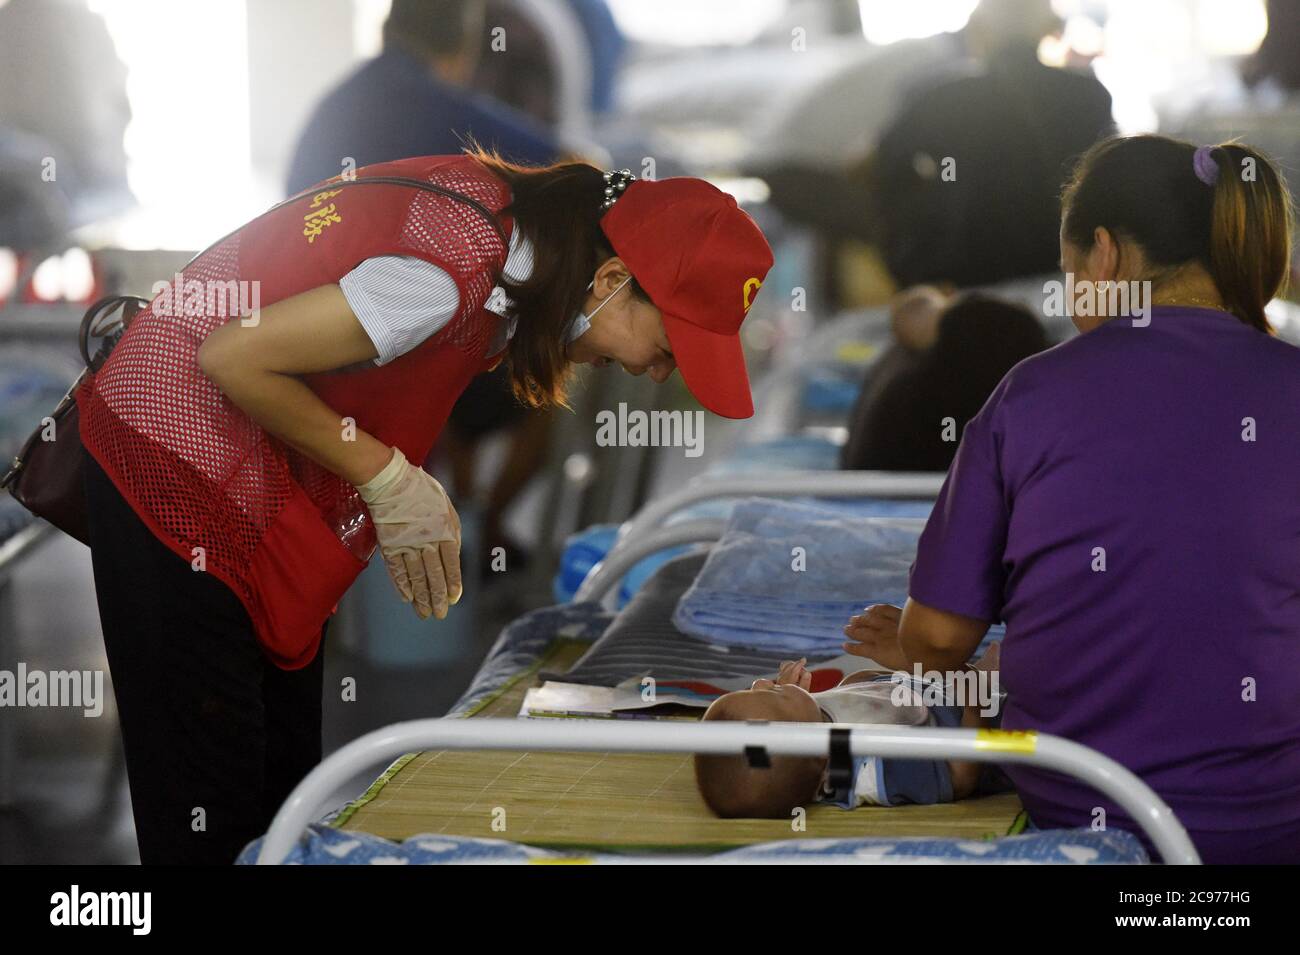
(914, 324)
(33, 212)
(524, 74)
(1274, 72)
(416, 99)
(1258, 100)
(65, 85)
(979, 96)
(957, 350)
(966, 179)
(1276, 64)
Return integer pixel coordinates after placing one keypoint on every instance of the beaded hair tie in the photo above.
(616, 180)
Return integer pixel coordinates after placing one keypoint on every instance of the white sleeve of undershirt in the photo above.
(400, 301)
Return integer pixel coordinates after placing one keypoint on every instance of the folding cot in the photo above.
(479, 786)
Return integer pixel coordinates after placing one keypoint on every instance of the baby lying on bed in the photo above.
(732, 788)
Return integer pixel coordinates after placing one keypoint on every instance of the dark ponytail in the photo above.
(558, 208)
(1250, 232)
(1145, 189)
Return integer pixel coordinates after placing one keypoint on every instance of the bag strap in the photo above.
(108, 303)
(488, 215)
(477, 206)
(91, 325)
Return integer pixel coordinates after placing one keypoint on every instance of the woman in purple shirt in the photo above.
(1128, 503)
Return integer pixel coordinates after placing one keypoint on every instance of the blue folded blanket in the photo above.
(786, 577)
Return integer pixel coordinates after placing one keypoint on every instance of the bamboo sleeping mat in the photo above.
(618, 801)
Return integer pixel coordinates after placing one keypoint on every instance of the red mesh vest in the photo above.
(286, 535)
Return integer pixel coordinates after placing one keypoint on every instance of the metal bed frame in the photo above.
(644, 535)
(728, 739)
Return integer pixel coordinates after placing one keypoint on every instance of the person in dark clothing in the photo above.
(64, 87)
(912, 420)
(966, 180)
(960, 185)
(1276, 58)
(414, 99)
(261, 726)
(524, 73)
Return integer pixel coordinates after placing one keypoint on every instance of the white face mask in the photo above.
(581, 322)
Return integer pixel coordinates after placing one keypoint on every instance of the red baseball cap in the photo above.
(701, 259)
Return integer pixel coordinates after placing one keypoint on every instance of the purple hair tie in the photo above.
(1203, 164)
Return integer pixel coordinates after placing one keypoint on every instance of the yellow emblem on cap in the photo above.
(751, 285)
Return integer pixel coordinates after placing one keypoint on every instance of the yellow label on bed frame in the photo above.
(1007, 741)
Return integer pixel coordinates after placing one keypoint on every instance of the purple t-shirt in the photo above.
(1171, 452)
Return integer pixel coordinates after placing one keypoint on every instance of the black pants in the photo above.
(215, 735)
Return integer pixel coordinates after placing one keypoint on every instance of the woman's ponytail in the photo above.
(1250, 232)
(1225, 207)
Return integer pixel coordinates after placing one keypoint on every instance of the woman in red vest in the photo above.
(259, 429)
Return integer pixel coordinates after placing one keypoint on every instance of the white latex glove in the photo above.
(418, 532)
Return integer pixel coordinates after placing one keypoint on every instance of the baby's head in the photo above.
(731, 787)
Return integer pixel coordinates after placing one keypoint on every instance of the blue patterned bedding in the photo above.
(326, 846)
